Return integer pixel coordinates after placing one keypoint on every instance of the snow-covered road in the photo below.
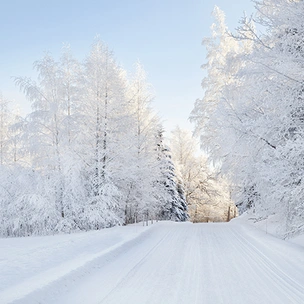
(165, 263)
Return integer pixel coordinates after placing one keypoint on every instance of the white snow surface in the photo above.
(164, 263)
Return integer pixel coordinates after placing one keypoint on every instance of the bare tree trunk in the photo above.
(105, 135)
(228, 215)
(97, 148)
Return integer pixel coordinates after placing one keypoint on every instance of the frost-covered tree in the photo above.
(276, 57)
(46, 135)
(105, 122)
(143, 170)
(171, 193)
(24, 211)
(5, 123)
(221, 49)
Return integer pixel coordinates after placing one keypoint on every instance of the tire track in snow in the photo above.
(131, 273)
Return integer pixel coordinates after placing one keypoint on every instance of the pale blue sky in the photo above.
(165, 35)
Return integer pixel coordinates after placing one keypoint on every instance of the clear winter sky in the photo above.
(165, 35)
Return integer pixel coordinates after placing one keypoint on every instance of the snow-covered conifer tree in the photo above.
(169, 189)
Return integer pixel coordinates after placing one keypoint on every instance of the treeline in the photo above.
(90, 155)
(251, 118)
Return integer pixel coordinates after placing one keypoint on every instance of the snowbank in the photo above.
(30, 263)
(271, 225)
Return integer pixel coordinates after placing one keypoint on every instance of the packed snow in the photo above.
(165, 262)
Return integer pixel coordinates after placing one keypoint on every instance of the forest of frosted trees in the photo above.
(90, 155)
(251, 117)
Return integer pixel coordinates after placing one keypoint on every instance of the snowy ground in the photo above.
(166, 263)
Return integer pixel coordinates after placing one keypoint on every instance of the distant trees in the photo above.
(205, 191)
(89, 153)
(253, 114)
